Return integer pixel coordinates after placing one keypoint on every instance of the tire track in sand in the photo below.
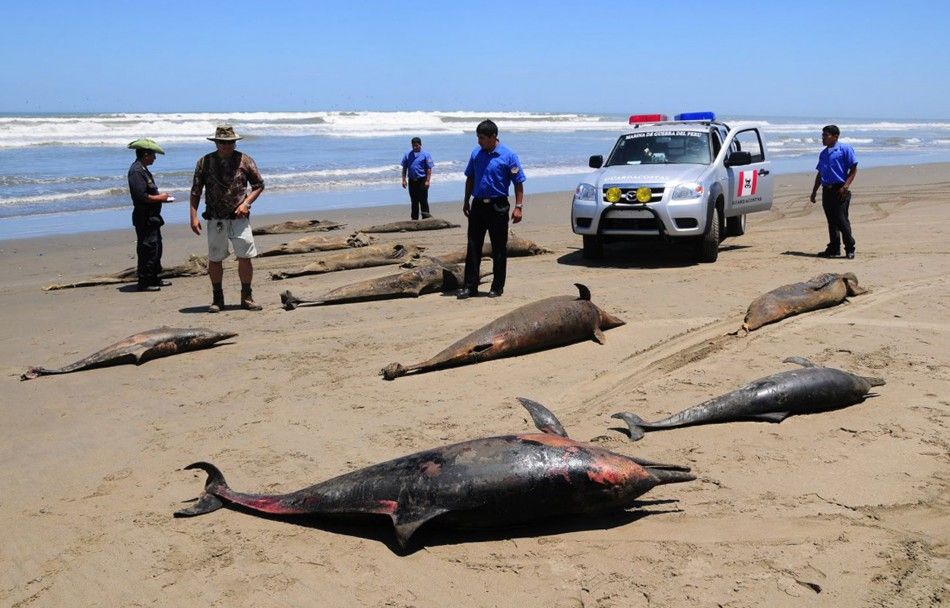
(695, 345)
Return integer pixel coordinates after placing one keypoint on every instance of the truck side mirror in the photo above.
(596, 161)
(737, 159)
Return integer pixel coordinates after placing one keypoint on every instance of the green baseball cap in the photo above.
(146, 144)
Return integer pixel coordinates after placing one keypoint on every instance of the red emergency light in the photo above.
(640, 118)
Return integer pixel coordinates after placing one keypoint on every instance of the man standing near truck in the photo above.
(837, 167)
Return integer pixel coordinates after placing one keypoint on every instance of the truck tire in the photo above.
(593, 247)
(735, 226)
(707, 249)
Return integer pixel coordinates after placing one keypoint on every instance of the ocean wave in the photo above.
(54, 197)
(119, 129)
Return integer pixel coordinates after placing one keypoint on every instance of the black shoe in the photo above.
(148, 288)
(850, 255)
(426, 216)
(466, 293)
(495, 293)
(827, 253)
(160, 283)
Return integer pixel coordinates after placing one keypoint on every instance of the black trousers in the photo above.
(493, 218)
(149, 249)
(419, 197)
(836, 212)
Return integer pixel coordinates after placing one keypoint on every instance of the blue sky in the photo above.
(846, 58)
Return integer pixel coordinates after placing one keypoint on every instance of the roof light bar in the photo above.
(696, 116)
(640, 118)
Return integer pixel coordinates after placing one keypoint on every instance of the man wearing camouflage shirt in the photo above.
(224, 175)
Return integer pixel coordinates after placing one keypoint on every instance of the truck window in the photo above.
(750, 142)
(677, 147)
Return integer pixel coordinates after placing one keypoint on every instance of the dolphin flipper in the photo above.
(770, 416)
(407, 521)
(543, 418)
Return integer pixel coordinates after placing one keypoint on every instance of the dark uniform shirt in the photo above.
(225, 182)
(141, 184)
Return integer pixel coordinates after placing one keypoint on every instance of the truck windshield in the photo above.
(679, 147)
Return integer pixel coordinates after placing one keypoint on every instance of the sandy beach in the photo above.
(845, 508)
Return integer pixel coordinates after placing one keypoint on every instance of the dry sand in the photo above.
(847, 508)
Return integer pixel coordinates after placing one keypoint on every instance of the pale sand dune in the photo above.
(852, 502)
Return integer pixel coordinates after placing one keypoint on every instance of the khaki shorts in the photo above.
(237, 232)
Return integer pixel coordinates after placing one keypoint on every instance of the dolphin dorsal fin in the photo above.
(584, 292)
(543, 418)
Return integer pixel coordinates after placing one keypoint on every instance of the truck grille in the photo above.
(628, 194)
(619, 223)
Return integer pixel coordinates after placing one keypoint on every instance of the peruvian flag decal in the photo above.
(748, 180)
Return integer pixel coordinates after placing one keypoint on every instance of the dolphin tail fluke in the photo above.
(208, 502)
(288, 300)
(393, 371)
(34, 372)
(670, 476)
(799, 361)
(634, 423)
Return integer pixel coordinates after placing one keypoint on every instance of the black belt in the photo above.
(417, 179)
(492, 199)
(832, 186)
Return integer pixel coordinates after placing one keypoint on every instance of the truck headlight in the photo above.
(585, 192)
(687, 191)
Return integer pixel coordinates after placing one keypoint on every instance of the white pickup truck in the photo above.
(691, 178)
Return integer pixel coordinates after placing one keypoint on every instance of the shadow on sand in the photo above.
(650, 254)
(379, 527)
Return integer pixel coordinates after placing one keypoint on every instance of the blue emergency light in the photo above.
(696, 116)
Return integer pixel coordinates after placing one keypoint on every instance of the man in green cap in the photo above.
(147, 214)
(224, 176)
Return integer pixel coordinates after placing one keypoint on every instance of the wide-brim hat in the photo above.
(146, 144)
(225, 133)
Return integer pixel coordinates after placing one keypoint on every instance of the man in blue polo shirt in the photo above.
(417, 166)
(837, 167)
(491, 169)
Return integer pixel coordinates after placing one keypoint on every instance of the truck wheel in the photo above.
(593, 247)
(707, 250)
(735, 226)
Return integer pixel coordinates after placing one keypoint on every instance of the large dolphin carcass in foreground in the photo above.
(428, 278)
(494, 481)
(823, 291)
(139, 348)
(808, 390)
(547, 323)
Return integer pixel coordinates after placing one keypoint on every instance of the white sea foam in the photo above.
(119, 129)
